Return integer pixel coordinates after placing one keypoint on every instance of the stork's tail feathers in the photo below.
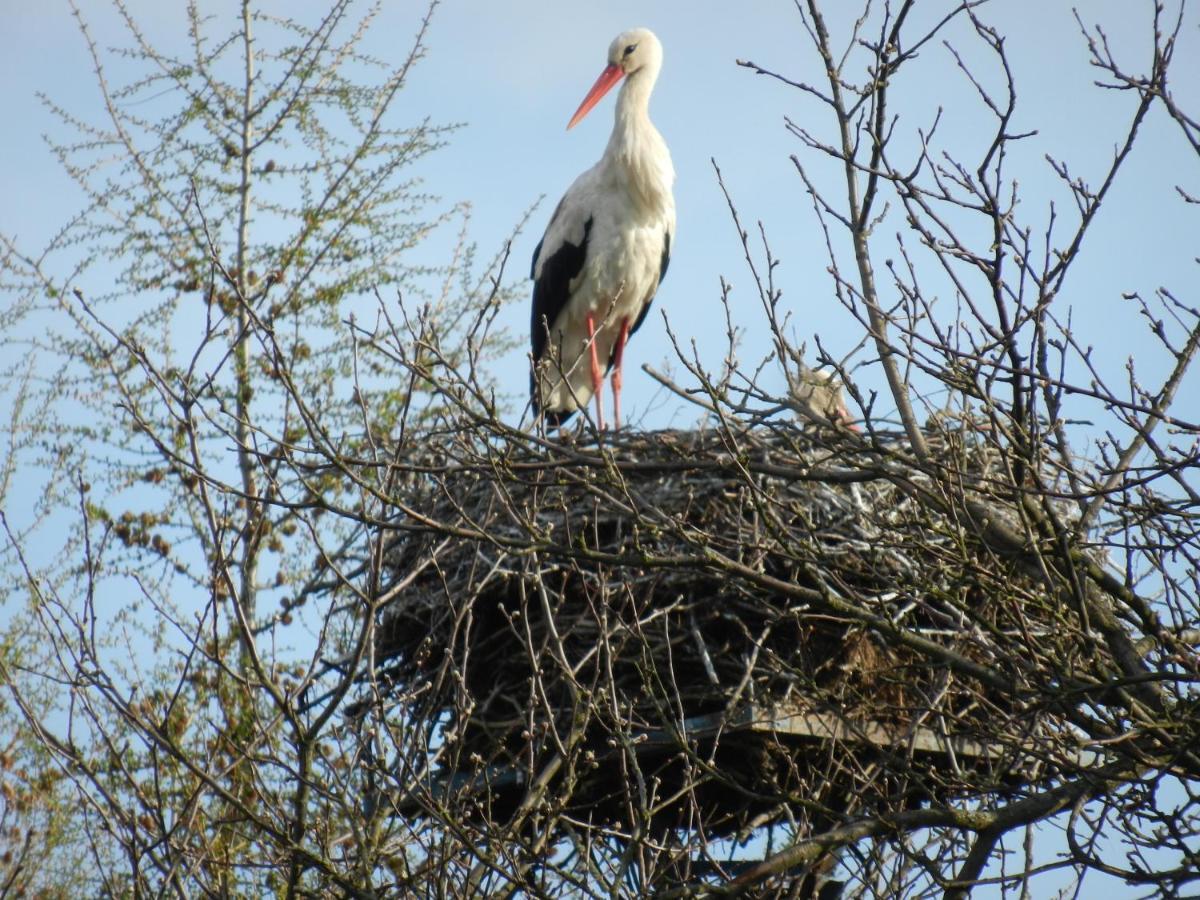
(552, 418)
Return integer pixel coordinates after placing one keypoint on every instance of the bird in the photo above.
(817, 397)
(607, 246)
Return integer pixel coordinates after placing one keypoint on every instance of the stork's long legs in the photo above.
(597, 374)
(617, 380)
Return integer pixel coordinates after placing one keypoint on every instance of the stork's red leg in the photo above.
(597, 374)
(617, 380)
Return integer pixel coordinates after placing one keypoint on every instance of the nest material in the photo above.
(666, 595)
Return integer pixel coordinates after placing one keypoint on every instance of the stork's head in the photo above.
(634, 50)
(631, 52)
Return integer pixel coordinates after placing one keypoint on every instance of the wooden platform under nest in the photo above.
(745, 621)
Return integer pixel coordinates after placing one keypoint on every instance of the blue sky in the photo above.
(514, 72)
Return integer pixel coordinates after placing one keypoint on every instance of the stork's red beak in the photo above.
(610, 76)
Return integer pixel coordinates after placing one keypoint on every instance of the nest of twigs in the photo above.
(736, 616)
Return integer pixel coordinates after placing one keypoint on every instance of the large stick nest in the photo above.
(723, 612)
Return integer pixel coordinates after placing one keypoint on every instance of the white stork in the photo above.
(606, 248)
(818, 397)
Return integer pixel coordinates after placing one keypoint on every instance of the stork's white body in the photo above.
(606, 247)
(818, 397)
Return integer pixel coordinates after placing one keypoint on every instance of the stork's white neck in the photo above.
(636, 151)
(634, 98)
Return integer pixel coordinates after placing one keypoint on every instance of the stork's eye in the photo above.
(630, 49)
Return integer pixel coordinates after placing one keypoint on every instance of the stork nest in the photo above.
(756, 621)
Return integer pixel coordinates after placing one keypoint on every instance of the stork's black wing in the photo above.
(552, 289)
(662, 273)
